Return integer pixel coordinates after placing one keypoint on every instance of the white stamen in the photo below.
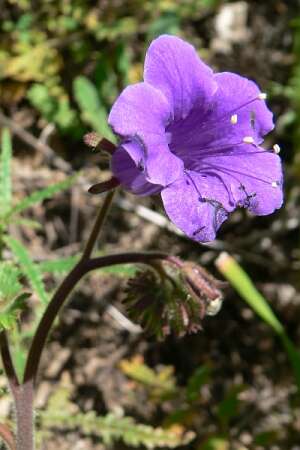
(214, 306)
(234, 119)
(262, 96)
(248, 140)
(274, 184)
(276, 149)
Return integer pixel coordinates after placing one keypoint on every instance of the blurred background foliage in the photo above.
(69, 59)
(62, 64)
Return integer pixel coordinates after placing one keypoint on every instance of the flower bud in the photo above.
(204, 287)
(174, 298)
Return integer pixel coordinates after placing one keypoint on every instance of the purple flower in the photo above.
(194, 136)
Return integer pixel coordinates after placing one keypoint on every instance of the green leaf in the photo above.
(38, 94)
(29, 223)
(122, 270)
(55, 108)
(162, 382)
(228, 408)
(5, 171)
(10, 314)
(240, 280)
(63, 265)
(216, 443)
(113, 428)
(199, 378)
(93, 111)
(28, 267)
(42, 194)
(60, 265)
(266, 438)
(9, 281)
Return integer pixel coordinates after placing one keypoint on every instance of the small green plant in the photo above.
(60, 413)
(22, 278)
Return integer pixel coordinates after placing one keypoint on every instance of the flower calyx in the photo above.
(173, 298)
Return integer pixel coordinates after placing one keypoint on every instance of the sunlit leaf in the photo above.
(5, 171)
(28, 267)
(92, 110)
(240, 280)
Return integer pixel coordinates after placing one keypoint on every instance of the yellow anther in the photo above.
(276, 149)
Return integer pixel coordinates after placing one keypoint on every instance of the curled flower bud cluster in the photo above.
(173, 301)
(202, 285)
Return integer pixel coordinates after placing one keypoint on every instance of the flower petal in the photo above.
(253, 177)
(140, 114)
(125, 170)
(235, 91)
(174, 67)
(197, 205)
(234, 114)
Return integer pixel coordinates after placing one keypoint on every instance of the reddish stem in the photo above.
(82, 268)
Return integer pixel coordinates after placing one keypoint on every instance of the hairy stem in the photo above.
(23, 393)
(82, 268)
(7, 362)
(98, 225)
(23, 400)
(62, 293)
(24, 416)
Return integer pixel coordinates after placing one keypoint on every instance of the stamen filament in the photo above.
(249, 175)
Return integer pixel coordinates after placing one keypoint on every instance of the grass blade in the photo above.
(5, 171)
(240, 280)
(42, 194)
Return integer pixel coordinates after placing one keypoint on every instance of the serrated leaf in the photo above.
(60, 265)
(6, 321)
(28, 267)
(42, 194)
(33, 224)
(11, 298)
(113, 428)
(10, 314)
(9, 282)
(5, 171)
